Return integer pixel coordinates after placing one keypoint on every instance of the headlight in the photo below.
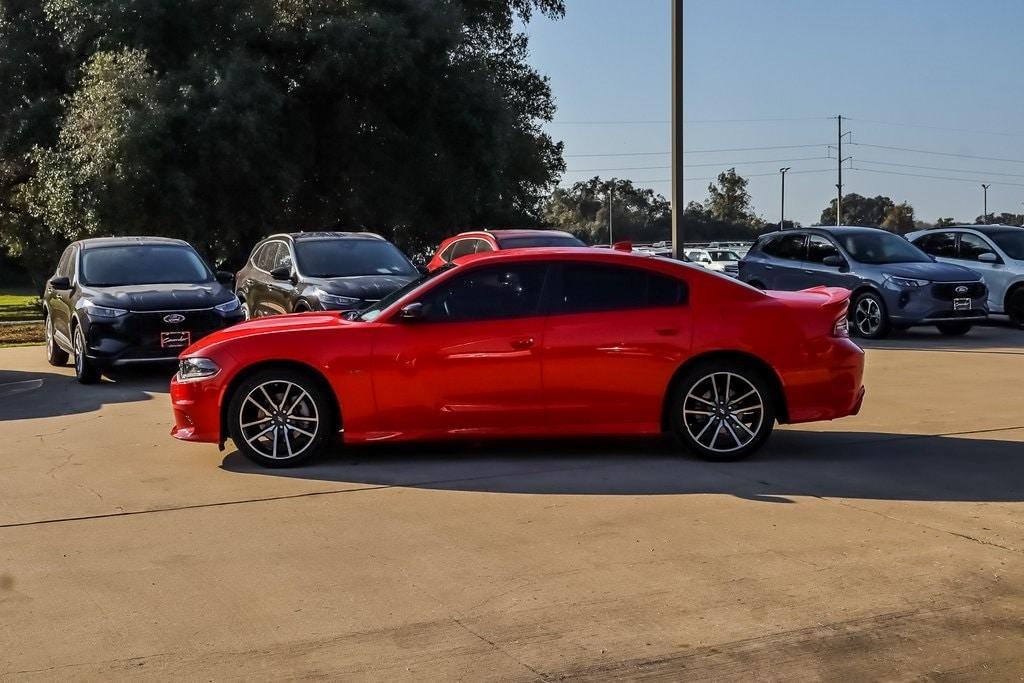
(228, 306)
(335, 300)
(190, 369)
(94, 311)
(906, 282)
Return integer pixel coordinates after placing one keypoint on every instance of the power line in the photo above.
(751, 175)
(644, 122)
(722, 164)
(932, 177)
(944, 128)
(692, 151)
(941, 154)
(940, 168)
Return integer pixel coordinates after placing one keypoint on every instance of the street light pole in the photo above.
(984, 215)
(611, 205)
(677, 128)
(782, 203)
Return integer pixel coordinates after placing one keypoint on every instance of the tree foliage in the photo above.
(858, 210)
(220, 121)
(899, 218)
(638, 214)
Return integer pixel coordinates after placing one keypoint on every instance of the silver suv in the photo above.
(996, 252)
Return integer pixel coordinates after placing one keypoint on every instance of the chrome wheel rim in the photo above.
(79, 350)
(279, 420)
(723, 412)
(49, 337)
(245, 311)
(868, 316)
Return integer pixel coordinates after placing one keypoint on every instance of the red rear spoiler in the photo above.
(624, 245)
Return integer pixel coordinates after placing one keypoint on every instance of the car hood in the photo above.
(303, 322)
(936, 272)
(365, 287)
(160, 297)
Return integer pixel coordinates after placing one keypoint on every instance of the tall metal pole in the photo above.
(839, 169)
(782, 204)
(984, 214)
(677, 128)
(611, 205)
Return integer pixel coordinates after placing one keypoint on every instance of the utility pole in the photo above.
(839, 169)
(677, 128)
(782, 204)
(611, 205)
(984, 214)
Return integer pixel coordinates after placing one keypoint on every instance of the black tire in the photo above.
(55, 355)
(1015, 307)
(868, 316)
(738, 429)
(85, 370)
(246, 313)
(311, 407)
(954, 329)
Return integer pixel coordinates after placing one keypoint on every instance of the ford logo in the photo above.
(959, 290)
(174, 318)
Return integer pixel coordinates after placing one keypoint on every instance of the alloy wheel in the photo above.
(723, 412)
(278, 419)
(79, 344)
(867, 316)
(49, 337)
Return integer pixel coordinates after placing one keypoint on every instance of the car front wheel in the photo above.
(722, 411)
(280, 418)
(85, 370)
(1015, 307)
(55, 355)
(868, 316)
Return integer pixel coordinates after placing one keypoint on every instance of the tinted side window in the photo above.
(483, 246)
(63, 266)
(786, 247)
(282, 257)
(463, 247)
(972, 246)
(446, 255)
(938, 244)
(819, 248)
(264, 256)
(490, 293)
(589, 288)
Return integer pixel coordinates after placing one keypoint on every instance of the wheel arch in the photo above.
(1010, 291)
(743, 357)
(296, 366)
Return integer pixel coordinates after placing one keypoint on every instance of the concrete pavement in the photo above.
(885, 545)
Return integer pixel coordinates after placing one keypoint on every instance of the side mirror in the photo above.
(834, 261)
(61, 283)
(988, 257)
(225, 278)
(281, 273)
(413, 311)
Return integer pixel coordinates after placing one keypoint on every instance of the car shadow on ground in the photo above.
(792, 464)
(25, 395)
(994, 336)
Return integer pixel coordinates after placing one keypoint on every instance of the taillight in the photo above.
(841, 328)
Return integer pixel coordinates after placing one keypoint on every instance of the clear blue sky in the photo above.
(938, 64)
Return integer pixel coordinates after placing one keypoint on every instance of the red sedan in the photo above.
(529, 343)
(483, 241)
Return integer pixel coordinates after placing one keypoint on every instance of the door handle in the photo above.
(767, 267)
(809, 272)
(523, 343)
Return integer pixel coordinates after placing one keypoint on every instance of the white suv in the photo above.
(996, 252)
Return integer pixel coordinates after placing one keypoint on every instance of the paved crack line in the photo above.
(540, 675)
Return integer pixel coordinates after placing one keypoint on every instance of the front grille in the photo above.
(947, 291)
(146, 329)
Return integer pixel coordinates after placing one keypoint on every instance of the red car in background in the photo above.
(481, 241)
(529, 343)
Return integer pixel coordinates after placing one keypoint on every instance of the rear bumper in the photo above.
(830, 387)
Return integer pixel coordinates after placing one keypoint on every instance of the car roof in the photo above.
(568, 253)
(97, 242)
(831, 230)
(511, 232)
(327, 235)
(987, 229)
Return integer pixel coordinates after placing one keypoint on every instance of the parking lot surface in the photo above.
(885, 545)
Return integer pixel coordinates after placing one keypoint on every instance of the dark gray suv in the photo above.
(894, 283)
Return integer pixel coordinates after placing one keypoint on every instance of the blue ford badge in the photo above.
(959, 290)
(174, 318)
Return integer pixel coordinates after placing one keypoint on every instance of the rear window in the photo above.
(529, 241)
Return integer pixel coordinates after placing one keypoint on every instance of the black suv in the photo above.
(125, 300)
(313, 271)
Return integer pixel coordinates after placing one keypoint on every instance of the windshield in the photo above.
(372, 312)
(350, 257)
(1010, 241)
(877, 248)
(143, 264)
(539, 241)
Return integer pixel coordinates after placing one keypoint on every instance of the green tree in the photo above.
(728, 198)
(1001, 219)
(638, 214)
(220, 121)
(858, 210)
(899, 219)
(943, 222)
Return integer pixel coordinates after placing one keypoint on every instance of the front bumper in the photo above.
(934, 304)
(139, 337)
(196, 408)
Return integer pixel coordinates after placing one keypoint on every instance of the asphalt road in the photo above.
(888, 545)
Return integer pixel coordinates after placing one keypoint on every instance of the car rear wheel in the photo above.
(722, 411)
(868, 316)
(55, 355)
(85, 371)
(280, 418)
(954, 329)
(1015, 307)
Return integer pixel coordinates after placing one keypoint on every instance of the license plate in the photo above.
(961, 304)
(175, 340)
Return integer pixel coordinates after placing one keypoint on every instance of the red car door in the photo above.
(615, 337)
(470, 363)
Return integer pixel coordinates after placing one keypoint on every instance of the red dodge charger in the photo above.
(529, 343)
